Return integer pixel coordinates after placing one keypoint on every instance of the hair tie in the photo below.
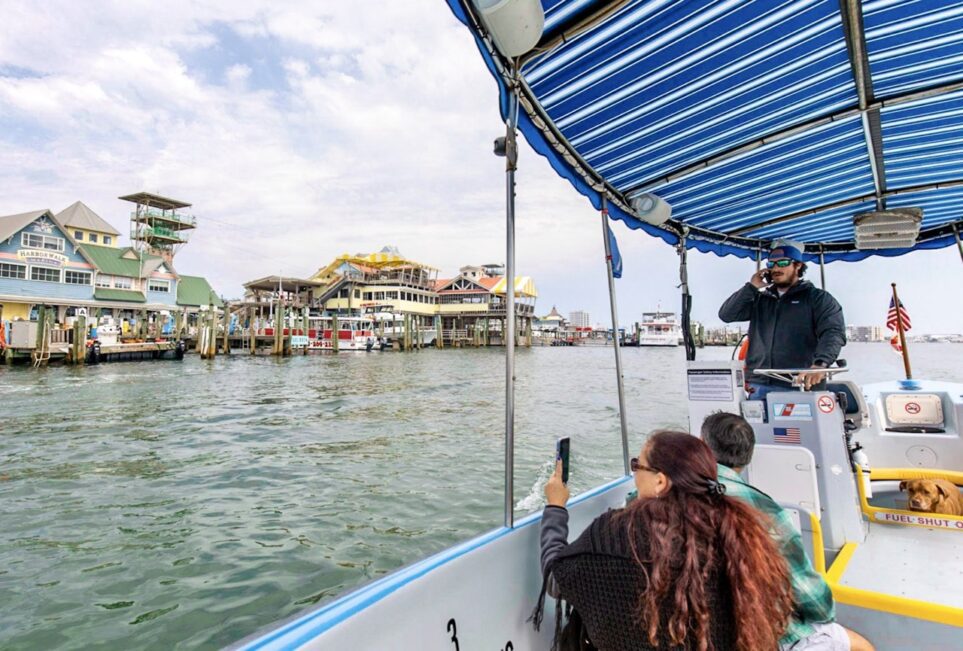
(715, 489)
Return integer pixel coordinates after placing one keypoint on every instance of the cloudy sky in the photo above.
(300, 132)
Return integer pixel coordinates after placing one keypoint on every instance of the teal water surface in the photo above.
(187, 504)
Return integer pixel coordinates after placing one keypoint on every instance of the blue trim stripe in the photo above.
(666, 89)
(314, 624)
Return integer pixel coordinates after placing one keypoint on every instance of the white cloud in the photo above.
(369, 127)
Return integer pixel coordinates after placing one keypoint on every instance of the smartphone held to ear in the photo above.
(767, 276)
(561, 454)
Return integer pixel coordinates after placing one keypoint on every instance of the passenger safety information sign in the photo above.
(710, 384)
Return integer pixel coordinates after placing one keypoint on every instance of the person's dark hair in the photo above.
(802, 269)
(691, 530)
(730, 438)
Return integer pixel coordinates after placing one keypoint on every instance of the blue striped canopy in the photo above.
(756, 120)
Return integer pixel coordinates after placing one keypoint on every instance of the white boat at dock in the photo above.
(659, 329)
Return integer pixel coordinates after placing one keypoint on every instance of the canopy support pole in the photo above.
(623, 424)
(822, 268)
(690, 349)
(511, 160)
(758, 259)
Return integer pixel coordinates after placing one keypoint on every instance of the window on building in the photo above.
(103, 280)
(79, 236)
(158, 286)
(8, 270)
(37, 241)
(121, 282)
(92, 236)
(77, 277)
(357, 293)
(108, 239)
(45, 274)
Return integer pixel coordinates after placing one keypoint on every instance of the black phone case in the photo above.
(563, 453)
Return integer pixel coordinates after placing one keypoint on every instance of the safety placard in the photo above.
(710, 384)
(929, 520)
(826, 404)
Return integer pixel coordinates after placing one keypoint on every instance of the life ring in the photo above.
(743, 349)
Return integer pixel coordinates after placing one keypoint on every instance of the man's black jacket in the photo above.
(796, 330)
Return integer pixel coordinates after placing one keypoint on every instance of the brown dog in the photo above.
(933, 496)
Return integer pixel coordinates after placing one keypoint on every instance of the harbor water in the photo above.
(187, 504)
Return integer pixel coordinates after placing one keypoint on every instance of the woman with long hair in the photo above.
(681, 567)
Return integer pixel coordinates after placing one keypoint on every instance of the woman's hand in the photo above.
(556, 493)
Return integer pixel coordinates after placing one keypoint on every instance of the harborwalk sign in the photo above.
(39, 256)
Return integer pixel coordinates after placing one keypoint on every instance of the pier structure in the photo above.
(69, 291)
(275, 316)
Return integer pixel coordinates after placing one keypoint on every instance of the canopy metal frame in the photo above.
(741, 240)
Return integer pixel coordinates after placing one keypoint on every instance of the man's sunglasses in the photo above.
(785, 262)
(636, 466)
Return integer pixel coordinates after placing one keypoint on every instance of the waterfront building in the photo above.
(388, 286)
(579, 319)
(472, 304)
(72, 260)
(383, 281)
(551, 322)
(865, 333)
(86, 226)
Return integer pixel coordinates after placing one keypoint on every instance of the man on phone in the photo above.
(792, 324)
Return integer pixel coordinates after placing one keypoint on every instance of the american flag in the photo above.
(789, 435)
(903, 316)
(891, 317)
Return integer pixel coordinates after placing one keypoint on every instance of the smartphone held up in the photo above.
(562, 447)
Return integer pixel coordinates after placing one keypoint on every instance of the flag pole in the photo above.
(902, 334)
(620, 378)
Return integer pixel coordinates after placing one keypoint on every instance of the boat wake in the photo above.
(535, 499)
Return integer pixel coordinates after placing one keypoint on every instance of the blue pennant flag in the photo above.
(616, 256)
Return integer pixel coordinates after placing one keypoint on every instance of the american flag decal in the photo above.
(789, 435)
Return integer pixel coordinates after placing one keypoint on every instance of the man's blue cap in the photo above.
(785, 251)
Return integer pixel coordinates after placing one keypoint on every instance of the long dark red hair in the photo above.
(693, 531)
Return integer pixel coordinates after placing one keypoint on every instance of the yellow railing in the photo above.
(906, 517)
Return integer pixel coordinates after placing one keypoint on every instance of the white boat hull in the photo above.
(656, 341)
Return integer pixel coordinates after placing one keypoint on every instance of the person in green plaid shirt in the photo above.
(813, 625)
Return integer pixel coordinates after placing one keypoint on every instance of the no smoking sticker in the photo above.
(912, 407)
(826, 404)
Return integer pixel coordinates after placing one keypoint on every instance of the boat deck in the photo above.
(911, 562)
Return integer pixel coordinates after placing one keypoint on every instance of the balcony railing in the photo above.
(161, 233)
(181, 220)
